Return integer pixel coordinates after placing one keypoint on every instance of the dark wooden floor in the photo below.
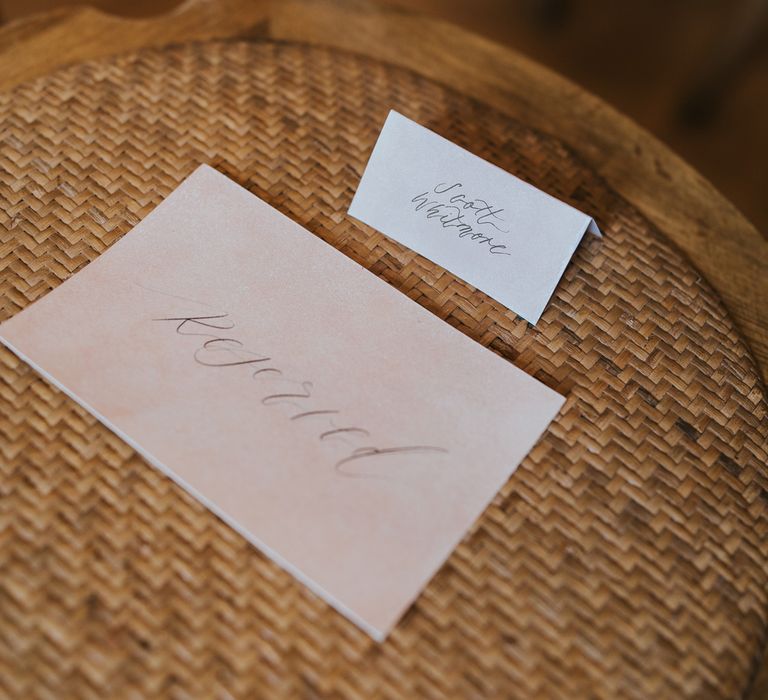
(646, 58)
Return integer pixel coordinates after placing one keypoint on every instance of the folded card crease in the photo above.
(343, 429)
(491, 229)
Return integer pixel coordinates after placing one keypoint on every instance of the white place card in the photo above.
(500, 234)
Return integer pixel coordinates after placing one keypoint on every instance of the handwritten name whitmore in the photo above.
(471, 218)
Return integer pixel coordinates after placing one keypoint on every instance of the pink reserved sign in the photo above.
(344, 430)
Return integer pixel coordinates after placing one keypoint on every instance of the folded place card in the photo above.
(500, 234)
(347, 432)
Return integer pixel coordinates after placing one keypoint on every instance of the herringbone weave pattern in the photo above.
(626, 558)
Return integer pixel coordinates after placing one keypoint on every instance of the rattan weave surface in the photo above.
(626, 558)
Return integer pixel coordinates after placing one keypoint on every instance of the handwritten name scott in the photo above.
(218, 348)
(472, 218)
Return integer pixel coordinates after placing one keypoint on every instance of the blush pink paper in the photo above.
(361, 456)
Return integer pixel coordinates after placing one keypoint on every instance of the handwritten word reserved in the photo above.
(453, 209)
(220, 350)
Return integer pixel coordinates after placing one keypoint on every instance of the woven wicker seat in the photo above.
(627, 556)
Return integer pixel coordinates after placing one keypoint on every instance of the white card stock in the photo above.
(500, 234)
